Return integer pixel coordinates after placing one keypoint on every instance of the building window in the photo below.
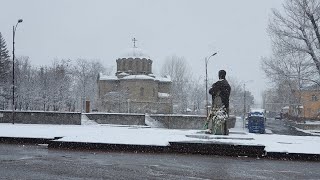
(154, 92)
(141, 91)
(314, 98)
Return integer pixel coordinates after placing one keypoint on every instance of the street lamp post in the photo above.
(206, 63)
(244, 104)
(13, 85)
(244, 101)
(128, 105)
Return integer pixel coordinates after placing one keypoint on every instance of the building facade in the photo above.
(134, 88)
(310, 100)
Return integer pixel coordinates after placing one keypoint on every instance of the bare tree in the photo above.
(296, 30)
(179, 72)
(197, 95)
(237, 97)
(85, 73)
(289, 74)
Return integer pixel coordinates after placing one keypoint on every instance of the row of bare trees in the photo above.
(62, 86)
(188, 92)
(294, 64)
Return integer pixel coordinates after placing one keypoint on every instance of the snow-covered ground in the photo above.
(311, 122)
(146, 135)
(86, 121)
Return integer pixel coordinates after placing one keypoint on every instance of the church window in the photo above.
(130, 65)
(141, 91)
(134, 66)
(118, 65)
(122, 65)
(143, 66)
(149, 67)
(139, 66)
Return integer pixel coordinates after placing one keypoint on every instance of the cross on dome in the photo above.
(134, 42)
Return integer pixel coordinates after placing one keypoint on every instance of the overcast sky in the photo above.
(103, 29)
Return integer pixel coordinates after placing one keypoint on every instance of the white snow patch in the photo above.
(104, 77)
(152, 122)
(312, 122)
(166, 78)
(135, 53)
(123, 74)
(163, 95)
(138, 77)
(86, 121)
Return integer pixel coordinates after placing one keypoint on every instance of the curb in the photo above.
(108, 147)
(23, 140)
(173, 147)
(223, 149)
(293, 156)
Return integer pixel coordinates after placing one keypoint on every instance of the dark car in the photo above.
(278, 117)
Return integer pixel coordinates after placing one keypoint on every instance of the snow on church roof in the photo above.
(135, 53)
(123, 74)
(161, 79)
(105, 77)
(164, 79)
(138, 77)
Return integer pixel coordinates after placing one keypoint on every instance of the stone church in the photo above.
(134, 88)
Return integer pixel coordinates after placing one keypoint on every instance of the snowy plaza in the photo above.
(91, 132)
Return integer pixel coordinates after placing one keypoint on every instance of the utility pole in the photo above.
(206, 64)
(13, 83)
(244, 104)
(244, 101)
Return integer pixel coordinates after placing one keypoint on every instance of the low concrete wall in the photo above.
(40, 117)
(170, 121)
(308, 126)
(173, 121)
(186, 121)
(117, 118)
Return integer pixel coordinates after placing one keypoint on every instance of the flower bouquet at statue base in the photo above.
(216, 122)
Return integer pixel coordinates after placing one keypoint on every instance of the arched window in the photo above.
(130, 65)
(141, 91)
(134, 66)
(143, 66)
(118, 65)
(122, 68)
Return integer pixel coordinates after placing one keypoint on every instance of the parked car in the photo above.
(256, 124)
(279, 117)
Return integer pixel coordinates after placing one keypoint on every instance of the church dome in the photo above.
(134, 62)
(134, 53)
